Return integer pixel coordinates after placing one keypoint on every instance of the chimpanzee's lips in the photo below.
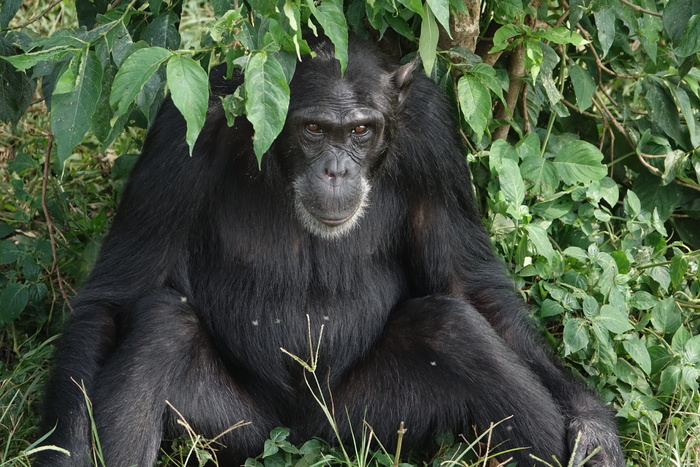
(337, 222)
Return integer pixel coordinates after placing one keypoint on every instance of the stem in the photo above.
(399, 442)
(36, 18)
(49, 222)
(516, 72)
(640, 9)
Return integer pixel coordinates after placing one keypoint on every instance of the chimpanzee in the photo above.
(361, 220)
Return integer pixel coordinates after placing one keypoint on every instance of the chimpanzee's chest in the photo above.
(292, 291)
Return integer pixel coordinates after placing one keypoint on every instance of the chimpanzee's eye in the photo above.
(313, 127)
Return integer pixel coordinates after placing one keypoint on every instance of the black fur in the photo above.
(208, 271)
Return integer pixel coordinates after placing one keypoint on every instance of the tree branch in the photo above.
(640, 156)
(36, 18)
(516, 73)
(49, 223)
(640, 9)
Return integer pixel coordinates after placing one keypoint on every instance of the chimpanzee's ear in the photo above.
(403, 78)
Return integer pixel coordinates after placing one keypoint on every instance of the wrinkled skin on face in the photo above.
(331, 184)
(336, 134)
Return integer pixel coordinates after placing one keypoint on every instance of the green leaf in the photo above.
(690, 42)
(614, 320)
(5, 229)
(267, 99)
(575, 335)
(511, 182)
(670, 379)
(291, 11)
(68, 79)
(488, 77)
(584, 86)
(660, 357)
(234, 105)
(653, 195)
(152, 94)
(533, 58)
(162, 32)
(663, 111)
(553, 208)
(550, 60)
(189, 88)
(679, 267)
(529, 146)
(475, 102)
(677, 13)
(270, 448)
(507, 11)
(666, 317)
(123, 165)
(401, 26)
(133, 75)
(692, 350)
(538, 237)
(279, 434)
(649, 30)
(603, 346)
(541, 173)
(154, 5)
(674, 164)
(687, 111)
(427, 43)
(680, 338)
(224, 24)
(441, 10)
(71, 37)
(71, 113)
(27, 60)
(577, 253)
(605, 23)
(13, 300)
(609, 191)
(266, 8)
(501, 39)
(562, 35)
(16, 88)
(633, 206)
(250, 462)
(623, 263)
(579, 162)
(501, 150)
(9, 252)
(332, 19)
(661, 275)
(415, 6)
(120, 43)
(690, 377)
(550, 308)
(8, 10)
(590, 307)
(638, 351)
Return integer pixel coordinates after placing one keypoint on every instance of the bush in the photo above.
(580, 119)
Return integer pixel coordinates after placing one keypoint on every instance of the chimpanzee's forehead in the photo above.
(324, 86)
(338, 95)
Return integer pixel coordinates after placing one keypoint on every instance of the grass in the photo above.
(79, 203)
(659, 429)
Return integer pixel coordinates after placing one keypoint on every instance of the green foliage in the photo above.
(591, 193)
(124, 56)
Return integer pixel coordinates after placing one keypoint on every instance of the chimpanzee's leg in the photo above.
(88, 338)
(440, 365)
(166, 356)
